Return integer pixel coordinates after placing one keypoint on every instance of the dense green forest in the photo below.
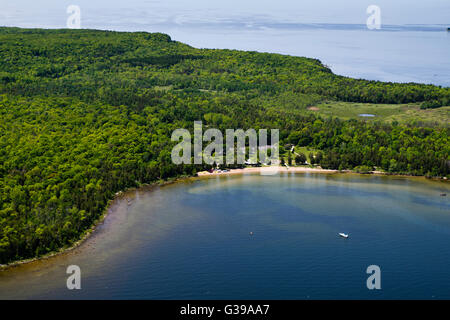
(85, 114)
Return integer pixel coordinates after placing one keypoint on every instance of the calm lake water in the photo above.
(191, 240)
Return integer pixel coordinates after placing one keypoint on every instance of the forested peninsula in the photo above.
(86, 113)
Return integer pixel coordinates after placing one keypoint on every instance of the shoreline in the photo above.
(87, 234)
(267, 171)
(281, 169)
(249, 170)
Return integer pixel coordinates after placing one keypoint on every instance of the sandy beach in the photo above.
(267, 171)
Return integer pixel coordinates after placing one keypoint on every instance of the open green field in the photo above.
(306, 151)
(402, 113)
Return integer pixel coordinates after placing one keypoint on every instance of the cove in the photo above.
(258, 237)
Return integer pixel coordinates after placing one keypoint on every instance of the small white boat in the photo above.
(343, 235)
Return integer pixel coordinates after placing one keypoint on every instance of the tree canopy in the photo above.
(85, 114)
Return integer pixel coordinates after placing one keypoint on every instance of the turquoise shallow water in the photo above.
(191, 240)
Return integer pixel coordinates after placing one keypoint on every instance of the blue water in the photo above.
(366, 115)
(192, 240)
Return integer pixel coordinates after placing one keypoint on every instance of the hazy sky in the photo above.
(52, 13)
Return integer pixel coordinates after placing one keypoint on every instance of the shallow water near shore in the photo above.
(192, 240)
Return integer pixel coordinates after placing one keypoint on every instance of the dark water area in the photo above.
(259, 237)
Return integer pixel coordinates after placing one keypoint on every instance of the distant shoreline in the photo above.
(267, 171)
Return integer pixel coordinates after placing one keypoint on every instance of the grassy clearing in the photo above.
(402, 113)
(305, 150)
